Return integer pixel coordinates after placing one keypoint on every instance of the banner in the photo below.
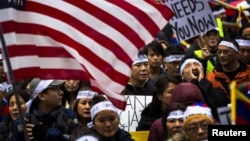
(192, 18)
(130, 117)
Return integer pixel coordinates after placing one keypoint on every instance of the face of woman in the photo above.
(83, 107)
(13, 108)
(165, 97)
(71, 85)
(106, 123)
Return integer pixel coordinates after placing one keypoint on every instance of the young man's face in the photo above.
(53, 96)
(226, 55)
(154, 59)
(244, 54)
(172, 68)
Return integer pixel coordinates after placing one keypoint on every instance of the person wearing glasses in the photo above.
(229, 68)
(46, 118)
(197, 119)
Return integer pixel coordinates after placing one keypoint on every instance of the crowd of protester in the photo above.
(187, 85)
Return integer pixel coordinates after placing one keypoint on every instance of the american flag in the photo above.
(94, 40)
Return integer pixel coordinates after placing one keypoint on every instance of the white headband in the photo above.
(228, 44)
(104, 105)
(186, 62)
(2, 88)
(87, 138)
(173, 58)
(176, 114)
(219, 11)
(86, 94)
(101, 106)
(242, 42)
(140, 59)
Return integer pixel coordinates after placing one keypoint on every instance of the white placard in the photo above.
(192, 18)
(130, 117)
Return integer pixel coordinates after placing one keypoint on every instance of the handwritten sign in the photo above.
(192, 17)
(129, 118)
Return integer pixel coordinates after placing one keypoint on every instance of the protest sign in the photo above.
(224, 115)
(192, 18)
(129, 118)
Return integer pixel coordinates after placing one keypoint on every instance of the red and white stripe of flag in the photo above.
(94, 40)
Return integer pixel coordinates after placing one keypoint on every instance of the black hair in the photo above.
(98, 98)
(81, 132)
(154, 46)
(247, 25)
(154, 108)
(173, 49)
(24, 82)
(24, 94)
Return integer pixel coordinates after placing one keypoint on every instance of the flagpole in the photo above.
(13, 82)
(233, 102)
(226, 5)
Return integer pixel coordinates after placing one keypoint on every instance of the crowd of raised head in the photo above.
(199, 73)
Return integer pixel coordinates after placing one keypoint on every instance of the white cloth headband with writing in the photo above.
(176, 114)
(86, 94)
(228, 44)
(140, 59)
(104, 105)
(186, 62)
(245, 43)
(173, 58)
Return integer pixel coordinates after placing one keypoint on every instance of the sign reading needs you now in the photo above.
(192, 17)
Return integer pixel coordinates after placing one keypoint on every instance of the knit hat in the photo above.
(186, 93)
(197, 110)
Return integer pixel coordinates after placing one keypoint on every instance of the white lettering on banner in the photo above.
(192, 17)
(130, 117)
